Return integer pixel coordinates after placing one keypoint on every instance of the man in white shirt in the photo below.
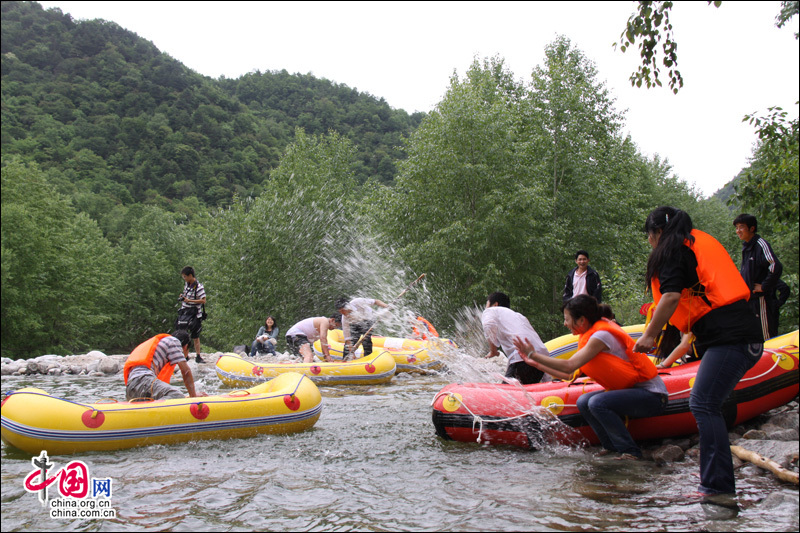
(501, 326)
(357, 321)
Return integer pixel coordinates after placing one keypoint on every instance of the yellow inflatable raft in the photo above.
(236, 371)
(410, 355)
(33, 421)
(565, 346)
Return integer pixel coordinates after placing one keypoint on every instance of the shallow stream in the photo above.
(373, 463)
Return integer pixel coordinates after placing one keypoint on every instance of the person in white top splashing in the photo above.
(501, 326)
(358, 318)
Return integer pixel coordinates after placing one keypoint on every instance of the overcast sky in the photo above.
(733, 59)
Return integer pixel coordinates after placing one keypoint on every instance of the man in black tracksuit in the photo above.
(761, 270)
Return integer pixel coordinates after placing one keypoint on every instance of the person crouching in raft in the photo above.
(697, 287)
(149, 368)
(605, 354)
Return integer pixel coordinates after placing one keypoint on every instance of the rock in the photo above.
(775, 499)
(755, 434)
(32, 367)
(787, 420)
(668, 454)
(96, 354)
(783, 434)
(108, 366)
(684, 443)
(75, 369)
(44, 367)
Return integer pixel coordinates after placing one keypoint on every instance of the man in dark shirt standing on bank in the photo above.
(761, 270)
(583, 279)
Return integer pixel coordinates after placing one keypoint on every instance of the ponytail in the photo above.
(675, 227)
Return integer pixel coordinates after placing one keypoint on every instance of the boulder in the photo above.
(96, 354)
(108, 366)
(669, 453)
(755, 434)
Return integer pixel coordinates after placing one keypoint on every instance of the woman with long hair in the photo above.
(266, 338)
(605, 354)
(697, 287)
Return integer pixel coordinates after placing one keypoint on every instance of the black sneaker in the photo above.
(198, 359)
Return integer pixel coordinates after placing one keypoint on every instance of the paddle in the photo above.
(364, 336)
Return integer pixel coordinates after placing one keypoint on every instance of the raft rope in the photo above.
(88, 407)
(477, 419)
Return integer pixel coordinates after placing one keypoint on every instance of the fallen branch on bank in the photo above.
(765, 463)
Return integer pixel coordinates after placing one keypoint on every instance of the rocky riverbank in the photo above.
(94, 363)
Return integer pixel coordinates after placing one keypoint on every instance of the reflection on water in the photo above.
(373, 462)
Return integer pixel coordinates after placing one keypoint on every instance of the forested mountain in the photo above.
(120, 166)
(126, 123)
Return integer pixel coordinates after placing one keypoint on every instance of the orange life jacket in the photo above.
(720, 283)
(142, 355)
(609, 370)
(431, 329)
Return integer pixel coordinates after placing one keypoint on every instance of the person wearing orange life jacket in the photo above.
(697, 287)
(149, 367)
(605, 353)
(424, 335)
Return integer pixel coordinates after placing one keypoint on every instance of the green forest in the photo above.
(120, 166)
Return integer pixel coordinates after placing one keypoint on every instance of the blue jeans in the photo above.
(604, 411)
(720, 370)
(261, 347)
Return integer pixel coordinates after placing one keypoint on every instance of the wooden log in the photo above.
(765, 463)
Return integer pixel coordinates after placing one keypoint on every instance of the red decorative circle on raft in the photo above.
(257, 370)
(292, 402)
(199, 410)
(315, 370)
(412, 359)
(370, 368)
(91, 421)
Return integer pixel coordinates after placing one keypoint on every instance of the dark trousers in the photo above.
(524, 373)
(358, 329)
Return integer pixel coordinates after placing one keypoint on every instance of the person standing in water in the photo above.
(697, 287)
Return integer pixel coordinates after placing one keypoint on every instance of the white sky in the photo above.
(733, 59)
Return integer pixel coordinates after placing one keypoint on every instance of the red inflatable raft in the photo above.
(533, 415)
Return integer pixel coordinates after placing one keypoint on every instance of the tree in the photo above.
(58, 278)
(650, 24)
(273, 254)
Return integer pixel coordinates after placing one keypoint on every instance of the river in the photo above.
(373, 463)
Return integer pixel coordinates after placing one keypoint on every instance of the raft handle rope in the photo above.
(476, 419)
(88, 407)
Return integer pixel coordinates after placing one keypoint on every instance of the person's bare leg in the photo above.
(305, 351)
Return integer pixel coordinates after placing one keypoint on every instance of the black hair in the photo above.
(606, 311)
(341, 302)
(676, 228)
(581, 252)
(183, 336)
(274, 322)
(749, 220)
(667, 341)
(337, 317)
(583, 305)
(500, 298)
(189, 271)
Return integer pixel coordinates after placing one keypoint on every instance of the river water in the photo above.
(374, 463)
